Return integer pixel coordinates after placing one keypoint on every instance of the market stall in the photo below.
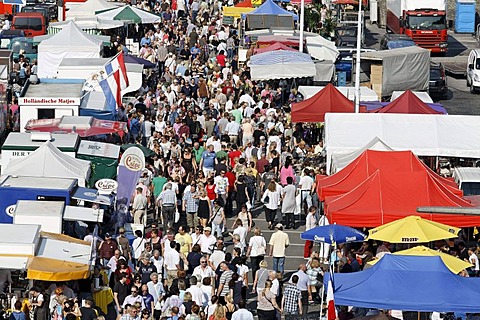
(19, 145)
(50, 100)
(103, 157)
(48, 161)
(281, 64)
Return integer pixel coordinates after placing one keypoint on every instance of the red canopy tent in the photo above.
(264, 41)
(85, 127)
(409, 103)
(371, 161)
(273, 47)
(387, 196)
(244, 4)
(329, 99)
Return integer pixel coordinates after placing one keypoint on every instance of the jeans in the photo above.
(291, 315)
(279, 264)
(217, 228)
(168, 214)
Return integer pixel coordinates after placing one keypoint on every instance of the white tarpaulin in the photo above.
(322, 49)
(423, 134)
(281, 64)
(89, 8)
(424, 96)
(71, 42)
(366, 94)
(48, 161)
(341, 160)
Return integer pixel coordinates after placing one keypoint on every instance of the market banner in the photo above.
(130, 169)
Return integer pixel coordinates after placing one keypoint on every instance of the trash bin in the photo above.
(465, 16)
(341, 79)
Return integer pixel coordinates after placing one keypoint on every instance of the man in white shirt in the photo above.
(204, 270)
(217, 257)
(246, 98)
(473, 259)
(206, 240)
(241, 231)
(232, 129)
(306, 185)
(171, 263)
(197, 293)
(213, 140)
(156, 289)
(242, 313)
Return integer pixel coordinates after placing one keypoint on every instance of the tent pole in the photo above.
(357, 65)
(302, 22)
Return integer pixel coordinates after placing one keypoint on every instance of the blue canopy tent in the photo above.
(408, 283)
(270, 7)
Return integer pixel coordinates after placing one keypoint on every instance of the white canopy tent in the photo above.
(281, 64)
(71, 42)
(90, 25)
(423, 134)
(89, 8)
(322, 49)
(341, 160)
(49, 161)
(366, 94)
(424, 96)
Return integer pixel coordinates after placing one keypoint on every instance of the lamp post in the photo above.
(302, 22)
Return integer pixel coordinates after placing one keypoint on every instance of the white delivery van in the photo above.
(468, 180)
(473, 70)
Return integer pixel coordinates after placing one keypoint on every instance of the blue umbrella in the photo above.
(333, 233)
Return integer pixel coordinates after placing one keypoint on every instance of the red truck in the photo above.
(422, 20)
(32, 23)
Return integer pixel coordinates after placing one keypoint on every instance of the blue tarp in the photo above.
(408, 283)
(270, 7)
(373, 105)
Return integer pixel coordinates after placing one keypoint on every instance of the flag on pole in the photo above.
(331, 311)
(112, 78)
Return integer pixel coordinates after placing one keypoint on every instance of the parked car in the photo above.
(438, 81)
(25, 46)
(395, 41)
(345, 60)
(346, 36)
(473, 70)
(6, 36)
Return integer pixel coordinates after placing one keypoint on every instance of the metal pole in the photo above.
(357, 66)
(302, 22)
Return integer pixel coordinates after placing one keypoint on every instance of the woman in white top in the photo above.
(271, 206)
(256, 249)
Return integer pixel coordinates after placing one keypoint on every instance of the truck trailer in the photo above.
(422, 20)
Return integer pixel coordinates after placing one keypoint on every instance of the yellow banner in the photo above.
(236, 12)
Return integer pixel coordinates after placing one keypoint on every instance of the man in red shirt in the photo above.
(261, 163)
(231, 193)
(235, 153)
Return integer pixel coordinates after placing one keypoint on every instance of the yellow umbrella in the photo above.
(413, 229)
(454, 264)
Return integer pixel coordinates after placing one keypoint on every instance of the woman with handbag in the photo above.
(271, 200)
(257, 247)
(266, 304)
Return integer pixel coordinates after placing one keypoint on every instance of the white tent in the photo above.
(341, 160)
(366, 94)
(89, 8)
(423, 134)
(48, 161)
(322, 49)
(281, 64)
(90, 25)
(71, 42)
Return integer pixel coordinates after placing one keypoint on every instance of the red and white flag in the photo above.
(331, 311)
